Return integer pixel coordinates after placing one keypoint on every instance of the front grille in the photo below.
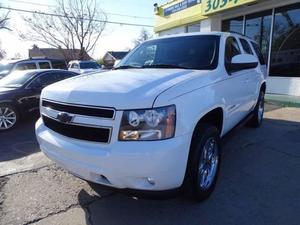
(78, 132)
(80, 110)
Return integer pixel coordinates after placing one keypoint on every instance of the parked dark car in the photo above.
(20, 93)
(9, 66)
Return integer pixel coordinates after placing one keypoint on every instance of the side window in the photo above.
(246, 46)
(75, 66)
(259, 53)
(44, 65)
(26, 66)
(46, 79)
(231, 49)
(59, 64)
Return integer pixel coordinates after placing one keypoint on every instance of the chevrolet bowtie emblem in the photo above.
(64, 117)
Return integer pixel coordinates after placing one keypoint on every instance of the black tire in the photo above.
(258, 112)
(3, 107)
(203, 134)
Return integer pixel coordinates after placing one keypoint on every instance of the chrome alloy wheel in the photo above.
(261, 107)
(8, 118)
(208, 164)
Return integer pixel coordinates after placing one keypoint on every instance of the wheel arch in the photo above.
(214, 116)
(13, 104)
(263, 87)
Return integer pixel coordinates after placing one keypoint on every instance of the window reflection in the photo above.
(285, 57)
(233, 25)
(258, 28)
(285, 60)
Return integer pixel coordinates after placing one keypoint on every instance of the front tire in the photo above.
(9, 117)
(204, 161)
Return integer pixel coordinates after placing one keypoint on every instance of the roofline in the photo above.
(217, 33)
(167, 3)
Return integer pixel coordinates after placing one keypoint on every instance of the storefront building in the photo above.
(273, 24)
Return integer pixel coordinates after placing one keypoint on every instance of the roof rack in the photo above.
(41, 57)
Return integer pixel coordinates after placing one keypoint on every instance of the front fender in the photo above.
(191, 107)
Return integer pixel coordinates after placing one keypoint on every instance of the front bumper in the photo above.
(150, 166)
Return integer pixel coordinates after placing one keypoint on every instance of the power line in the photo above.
(63, 16)
(109, 13)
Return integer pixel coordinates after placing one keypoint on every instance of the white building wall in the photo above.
(283, 86)
(211, 24)
(176, 30)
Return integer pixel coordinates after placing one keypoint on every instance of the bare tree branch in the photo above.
(2, 52)
(78, 28)
(144, 35)
(4, 21)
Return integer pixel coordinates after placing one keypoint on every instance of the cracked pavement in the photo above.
(258, 184)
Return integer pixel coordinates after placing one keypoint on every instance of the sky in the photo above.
(115, 37)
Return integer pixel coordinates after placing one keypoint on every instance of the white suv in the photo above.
(155, 122)
(82, 67)
(7, 67)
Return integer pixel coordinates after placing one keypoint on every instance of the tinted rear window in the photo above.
(246, 46)
(259, 53)
(59, 64)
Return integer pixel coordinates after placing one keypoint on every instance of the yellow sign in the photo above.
(213, 6)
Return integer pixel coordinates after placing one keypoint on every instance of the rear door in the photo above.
(253, 75)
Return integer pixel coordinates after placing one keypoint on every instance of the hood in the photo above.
(121, 89)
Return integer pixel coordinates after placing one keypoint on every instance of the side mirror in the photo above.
(242, 62)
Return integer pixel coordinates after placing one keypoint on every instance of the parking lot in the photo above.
(259, 183)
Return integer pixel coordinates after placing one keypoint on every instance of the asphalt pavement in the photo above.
(258, 184)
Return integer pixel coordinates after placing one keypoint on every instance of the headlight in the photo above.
(148, 124)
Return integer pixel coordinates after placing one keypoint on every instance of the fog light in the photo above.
(150, 180)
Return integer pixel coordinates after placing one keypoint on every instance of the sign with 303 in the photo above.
(213, 6)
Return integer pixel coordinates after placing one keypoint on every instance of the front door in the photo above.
(236, 90)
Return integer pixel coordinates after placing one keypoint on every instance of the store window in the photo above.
(258, 28)
(193, 28)
(235, 25)
(285, 52)
(285, 58)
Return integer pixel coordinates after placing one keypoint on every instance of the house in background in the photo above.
(112, 58)
(54, 53)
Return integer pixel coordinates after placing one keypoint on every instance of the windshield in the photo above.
(89, 65)
(191, 52)
(16, 79)
(5, 68)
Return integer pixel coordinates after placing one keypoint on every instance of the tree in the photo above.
(73, 24)
(4, 20)
(144, 35)
(2, 52)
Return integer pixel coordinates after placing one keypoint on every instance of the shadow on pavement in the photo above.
(258, 184)
(20, 141)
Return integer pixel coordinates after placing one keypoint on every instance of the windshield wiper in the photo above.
(165, 66)
(127, 67)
